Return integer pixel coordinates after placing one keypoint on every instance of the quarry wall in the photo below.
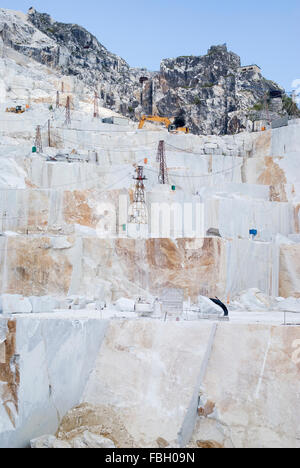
(145, 376)
(113, 268)
(43, 370)
(246, 389)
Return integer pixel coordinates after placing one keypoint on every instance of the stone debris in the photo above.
(90, 440)
(49, 442)
(162, 443)
(253, 299)
(87, 440)
(93, 424)
(208, 444)
(240, 306)
(206, 409)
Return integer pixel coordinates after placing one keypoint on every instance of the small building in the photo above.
(247, 68)
(116, 120)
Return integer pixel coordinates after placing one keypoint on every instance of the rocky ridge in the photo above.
(213, 92)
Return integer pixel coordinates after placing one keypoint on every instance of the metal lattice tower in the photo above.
(38, 140)
(3, 50)
(96, 105)
(161, 158)
(57, 100)
(138, 210)
(68, 111)
(267, 110)
(139, 194)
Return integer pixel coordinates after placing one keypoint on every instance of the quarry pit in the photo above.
(113, 241)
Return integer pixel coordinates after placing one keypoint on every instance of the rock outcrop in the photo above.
(73, 51)
(214, 93)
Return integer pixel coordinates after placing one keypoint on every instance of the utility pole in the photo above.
(38, 140)
(57, 100)
(62, 87)
(96, 105)
(163, 178)
(267, 107)
(4, 227)
(138, 209)
(295, 97)
(2, 38)
(68, 111)
(29, 98)
(49, 135)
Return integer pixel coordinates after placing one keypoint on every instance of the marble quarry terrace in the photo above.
(108, 336)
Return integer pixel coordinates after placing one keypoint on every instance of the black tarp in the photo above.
(220, 303)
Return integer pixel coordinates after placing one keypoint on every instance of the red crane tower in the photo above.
(138, 210)
(68, 111)
(38, 140)
(163, 177)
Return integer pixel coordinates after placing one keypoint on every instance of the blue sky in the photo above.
(143, 32)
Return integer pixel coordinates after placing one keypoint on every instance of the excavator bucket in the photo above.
(142, 122)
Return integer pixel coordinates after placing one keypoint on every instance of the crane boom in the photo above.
(154, 118)
(164, 120)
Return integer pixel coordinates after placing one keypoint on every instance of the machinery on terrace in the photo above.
(15, 110)
(173, 128)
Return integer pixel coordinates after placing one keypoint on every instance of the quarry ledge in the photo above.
(237, 320)
(236, 317)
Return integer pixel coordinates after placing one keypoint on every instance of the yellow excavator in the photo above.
(164, 120)
(15, 110)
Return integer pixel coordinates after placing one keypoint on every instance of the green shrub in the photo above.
(259, 106)
(207, 85)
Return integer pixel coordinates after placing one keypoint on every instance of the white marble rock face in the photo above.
(47, 362)
(225, 385)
